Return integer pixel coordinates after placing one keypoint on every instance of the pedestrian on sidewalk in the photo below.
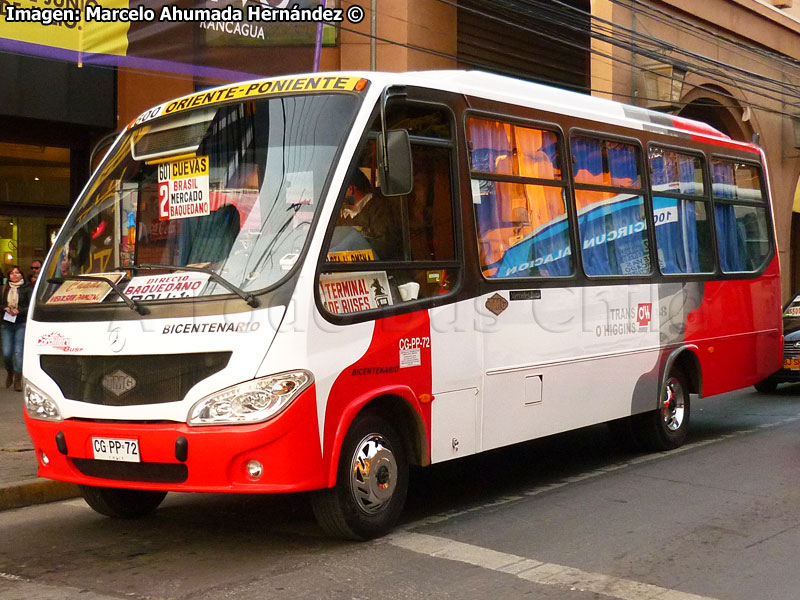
(15, 299)
(36, 266)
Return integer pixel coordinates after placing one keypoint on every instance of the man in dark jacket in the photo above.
(374, 216)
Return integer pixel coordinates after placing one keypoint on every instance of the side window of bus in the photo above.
(681, 213)
(519, 197)
(740, 214)
(389, 251)
(610, 204)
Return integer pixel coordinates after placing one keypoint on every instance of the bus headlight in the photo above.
(251, 402)
(39, 405)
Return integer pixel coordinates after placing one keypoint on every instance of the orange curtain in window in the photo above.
(544, 203)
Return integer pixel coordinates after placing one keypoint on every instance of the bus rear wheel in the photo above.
(121, 503)
(666, 427)
(371, 483)
(766, 386)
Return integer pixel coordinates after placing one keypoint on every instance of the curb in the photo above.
(35, 491)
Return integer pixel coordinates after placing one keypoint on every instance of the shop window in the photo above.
(35, 182)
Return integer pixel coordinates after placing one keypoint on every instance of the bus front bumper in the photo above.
(177, 457)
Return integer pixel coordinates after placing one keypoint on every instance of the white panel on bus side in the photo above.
(454, 424)
(512, 405)
(571, 340)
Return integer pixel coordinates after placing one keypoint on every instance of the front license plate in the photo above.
(791, 363)
(124, 450)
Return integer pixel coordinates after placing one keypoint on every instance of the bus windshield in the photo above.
(231, 189)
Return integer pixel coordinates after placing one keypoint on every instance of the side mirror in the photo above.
(394, 156)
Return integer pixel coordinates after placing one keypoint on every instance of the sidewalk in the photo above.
(19, 485)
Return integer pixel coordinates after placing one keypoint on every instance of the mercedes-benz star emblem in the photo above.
(116, 339)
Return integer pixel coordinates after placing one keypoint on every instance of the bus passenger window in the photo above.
(740, 214)
(612, 225)
(681, 213)
(522, 223)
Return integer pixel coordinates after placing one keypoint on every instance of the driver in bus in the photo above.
(372, 216)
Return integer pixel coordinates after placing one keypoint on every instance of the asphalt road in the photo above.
(567, 517)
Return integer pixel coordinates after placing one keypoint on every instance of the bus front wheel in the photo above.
(121, 503)
(666, 427)
(371, 482)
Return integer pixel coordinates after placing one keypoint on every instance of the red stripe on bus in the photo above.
(378, 373)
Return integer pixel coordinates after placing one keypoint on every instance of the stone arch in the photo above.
(720, 109)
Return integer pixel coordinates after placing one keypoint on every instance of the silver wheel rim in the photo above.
(673, 404)
(373, 473)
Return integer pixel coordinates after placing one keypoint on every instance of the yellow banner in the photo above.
(255, 89)
(190, 167)
(351, 255)
(317, 83)
(64, 27)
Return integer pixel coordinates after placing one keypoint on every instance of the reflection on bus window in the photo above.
(523, 230)
(683, 236)
(612, 225)
(232, 188)
(522, 223)
(682, 220)
(674, 172)
(613, 233)
(509, 149)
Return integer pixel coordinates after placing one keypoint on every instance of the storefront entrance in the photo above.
(51, 115)
(35, 195)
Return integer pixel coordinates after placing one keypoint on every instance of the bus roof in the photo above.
(560, 101)
(471, 83)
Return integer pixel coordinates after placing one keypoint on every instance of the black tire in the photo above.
(666, 427)
(766, 386)
(371, 483)
(121, 503)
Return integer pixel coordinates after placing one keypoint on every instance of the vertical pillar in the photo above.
(427, 24)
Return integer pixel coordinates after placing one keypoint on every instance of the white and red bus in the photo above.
(311, 283)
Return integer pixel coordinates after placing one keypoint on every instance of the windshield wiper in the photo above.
(246, 296)
(132, 304)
